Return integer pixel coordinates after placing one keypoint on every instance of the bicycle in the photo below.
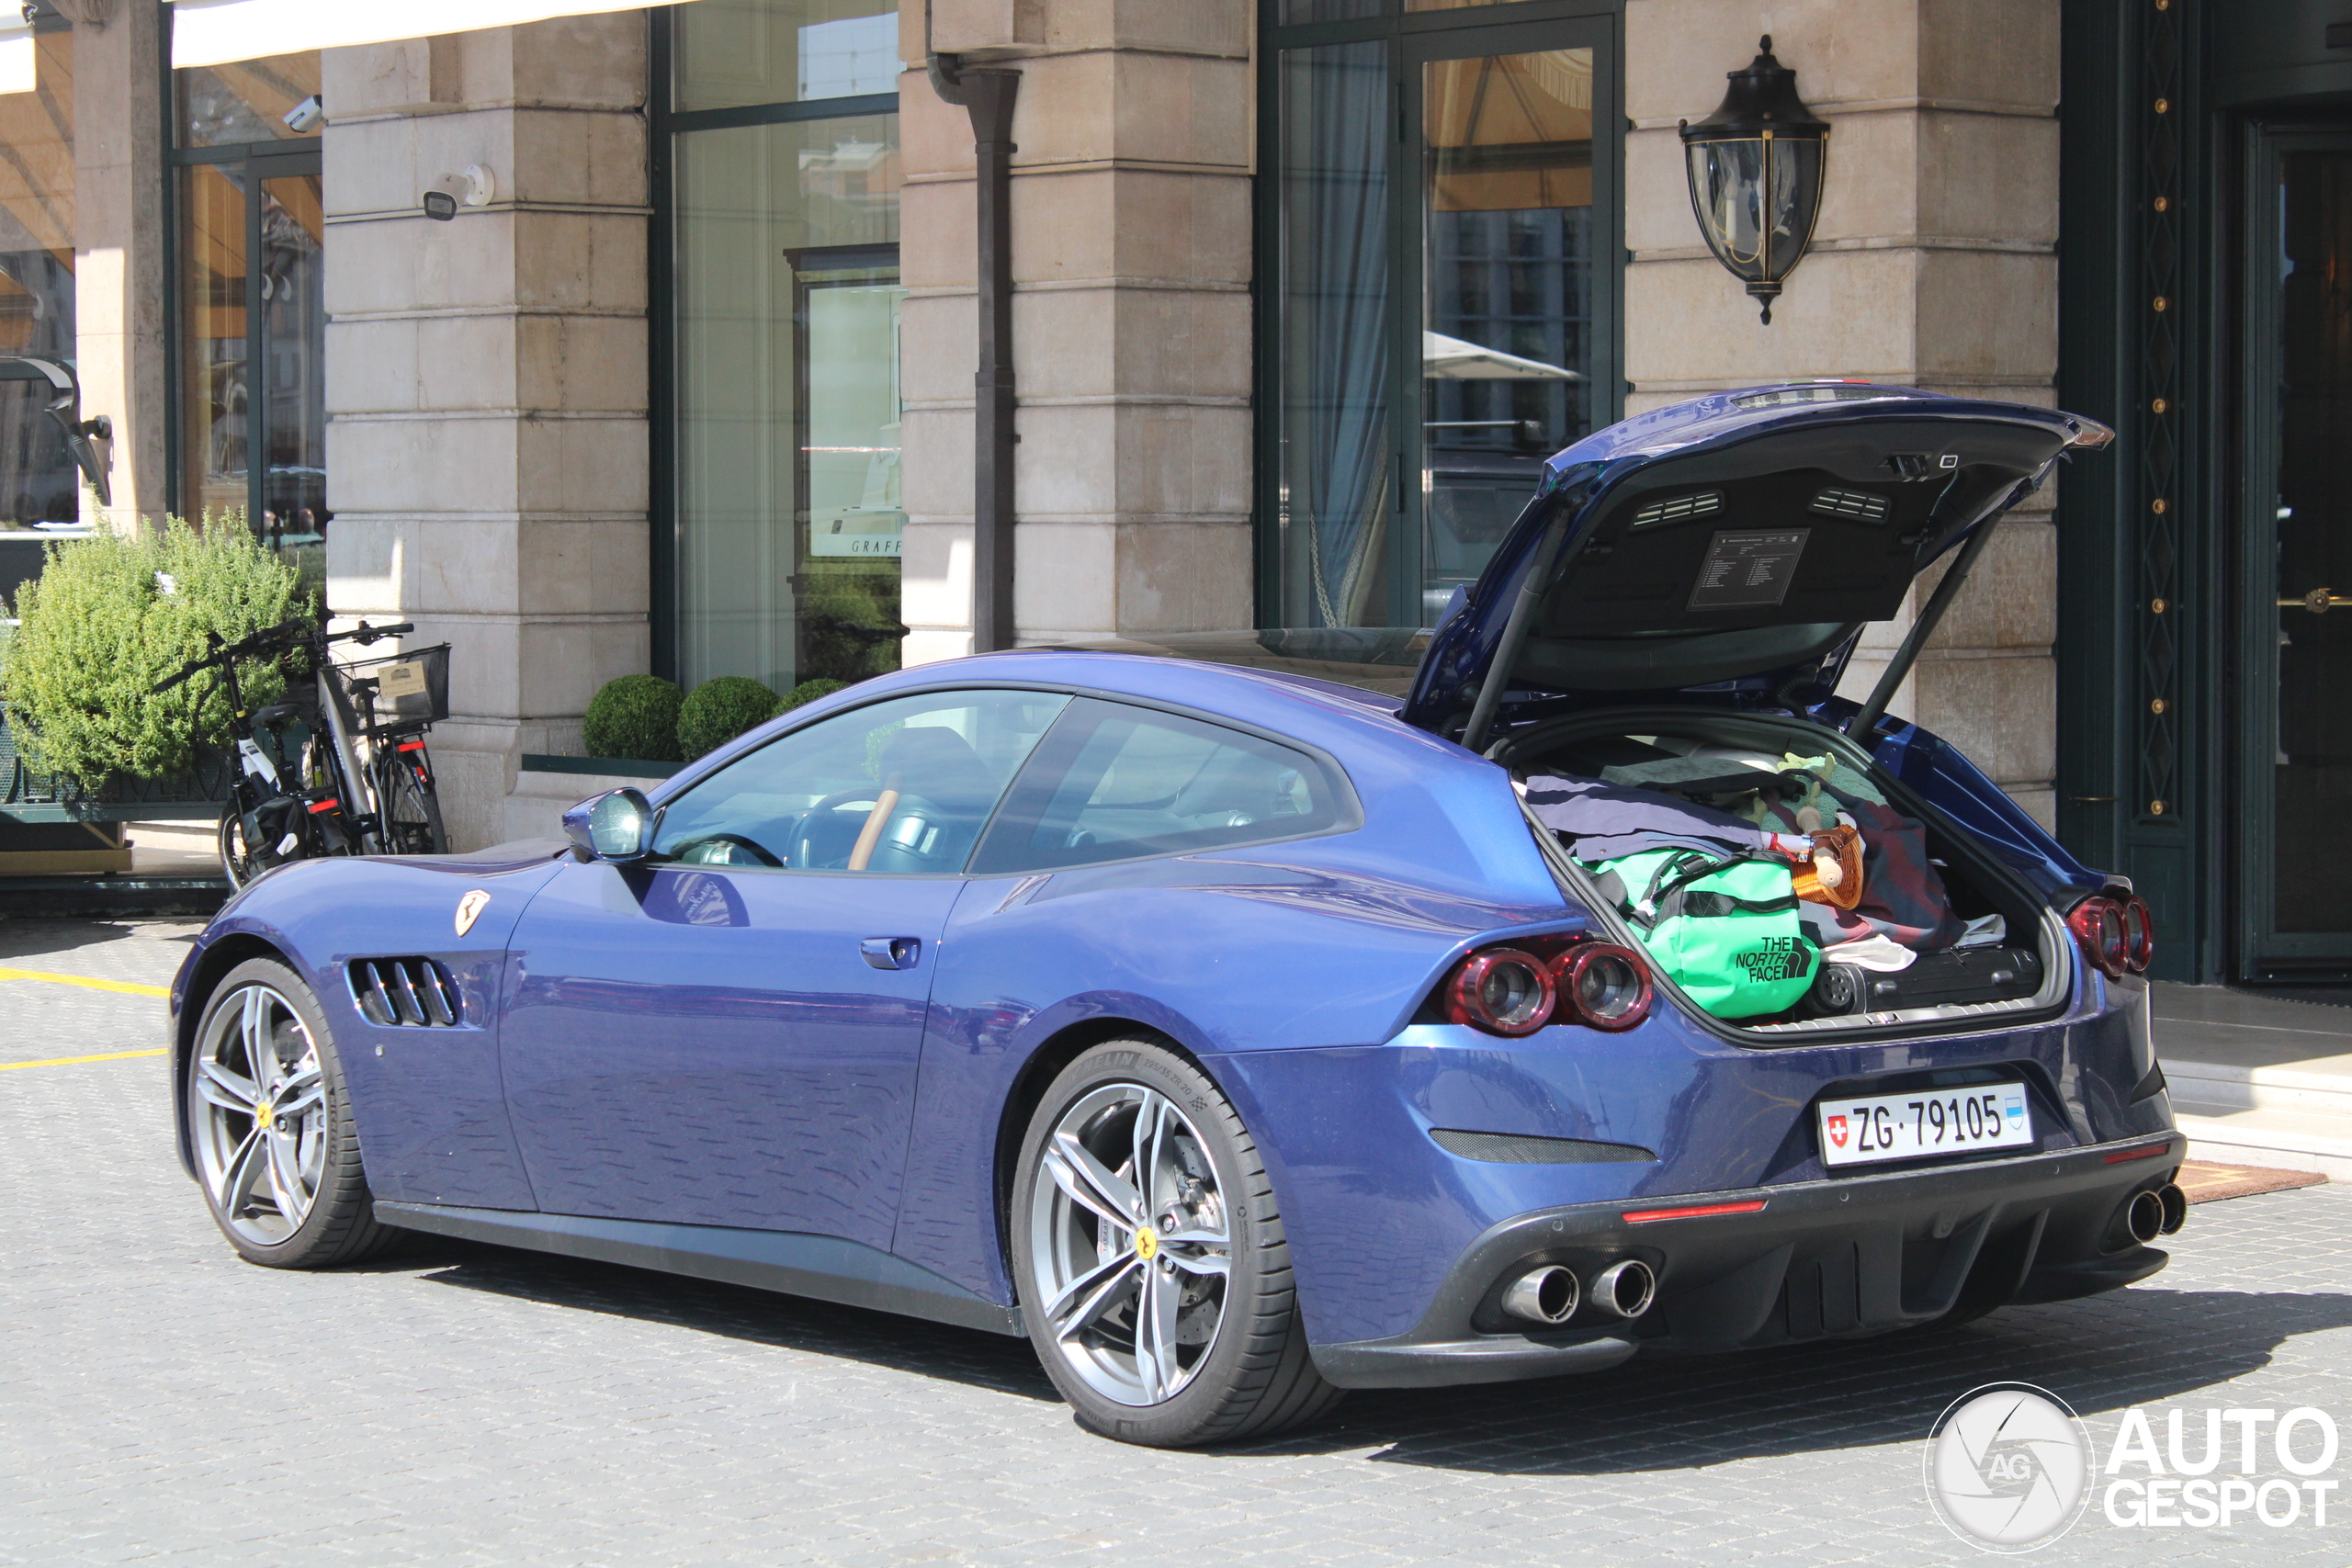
(295, 799)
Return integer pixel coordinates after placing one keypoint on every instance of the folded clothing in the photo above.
(1603, 822)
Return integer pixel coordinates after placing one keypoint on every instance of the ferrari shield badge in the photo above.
(469, 908)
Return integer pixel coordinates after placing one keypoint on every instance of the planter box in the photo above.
(30, 794)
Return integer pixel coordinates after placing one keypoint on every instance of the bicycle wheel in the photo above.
(412, 813)
(240, 861)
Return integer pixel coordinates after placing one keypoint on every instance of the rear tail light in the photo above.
(1514, 991)
(1502, 990)
(2118, 935)
(1603, 984)
(2139, 932)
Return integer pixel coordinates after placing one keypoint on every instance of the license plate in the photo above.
(1909, 1126)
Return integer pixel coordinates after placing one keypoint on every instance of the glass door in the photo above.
(2296, 750)
(1443, 301)
(1504, 273)
(250, 437)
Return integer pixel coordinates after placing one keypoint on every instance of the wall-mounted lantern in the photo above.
(1755, 167)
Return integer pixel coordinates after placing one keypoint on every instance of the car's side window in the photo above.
(1115, 782)
(903, 785)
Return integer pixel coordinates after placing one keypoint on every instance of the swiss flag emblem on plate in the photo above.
(1837, 1130)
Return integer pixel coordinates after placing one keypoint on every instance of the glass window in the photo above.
(735, 53)
(37, 479)
(787, 484)
(251, 438)
(903, 785)
(1121, 782)
(1507, 237)
(1440, 318)
(213, 342)
(245, 101)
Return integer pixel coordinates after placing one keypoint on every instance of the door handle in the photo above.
(2319, 602)
(892, 952)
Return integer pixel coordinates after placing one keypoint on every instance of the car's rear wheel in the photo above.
(275, 1149)
(1153, 1272)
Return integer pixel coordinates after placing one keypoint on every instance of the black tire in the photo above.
(240, 861)
(339, 1224)
(1256, 1377)
(411, 812)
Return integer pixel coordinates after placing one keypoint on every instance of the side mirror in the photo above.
(617, 826)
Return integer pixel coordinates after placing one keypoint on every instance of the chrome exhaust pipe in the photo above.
(1547, 1295)
(1625, 1288)
(2176, 1206)
(2145, 1216)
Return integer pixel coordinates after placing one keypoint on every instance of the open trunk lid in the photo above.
(1737, 542)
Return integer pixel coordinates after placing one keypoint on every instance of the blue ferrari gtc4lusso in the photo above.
(1248, 1018)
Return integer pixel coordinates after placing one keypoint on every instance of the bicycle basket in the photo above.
(412, 688)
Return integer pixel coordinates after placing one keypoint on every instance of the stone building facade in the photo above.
(589, 427)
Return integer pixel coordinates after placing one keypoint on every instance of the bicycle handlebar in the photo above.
(278, 638)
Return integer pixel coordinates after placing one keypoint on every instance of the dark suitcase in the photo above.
(1937, 979)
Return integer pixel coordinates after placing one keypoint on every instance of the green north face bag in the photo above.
(1723, 925)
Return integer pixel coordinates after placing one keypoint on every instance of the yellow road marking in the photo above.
(70, 1061)
(126, 988)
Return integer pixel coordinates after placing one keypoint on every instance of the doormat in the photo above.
(2205, 1183)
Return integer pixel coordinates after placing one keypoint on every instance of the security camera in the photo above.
(474, 187)
(305, 117)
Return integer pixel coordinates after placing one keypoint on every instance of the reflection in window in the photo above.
(1508, 199)
(789, 500)
(245, 101)
(38, 481)
(217, 396)
(735, 53)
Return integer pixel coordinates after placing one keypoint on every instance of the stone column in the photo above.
(1934, 265)
(118, 281)
(1131, 245)
(486, 453)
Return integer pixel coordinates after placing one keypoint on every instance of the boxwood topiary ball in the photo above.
(720, 709)
(809, 691)
(635, 717)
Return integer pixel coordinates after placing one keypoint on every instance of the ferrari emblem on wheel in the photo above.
(1146, 1243)
(469, 908)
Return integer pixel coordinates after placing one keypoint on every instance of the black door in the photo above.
(2294, 738)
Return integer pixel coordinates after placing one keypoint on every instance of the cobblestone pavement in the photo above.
(161, 1401)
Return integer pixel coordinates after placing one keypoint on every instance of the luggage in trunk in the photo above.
(1936, 979)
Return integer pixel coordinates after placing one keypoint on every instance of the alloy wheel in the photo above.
(1130, 1244)
(257, 1103)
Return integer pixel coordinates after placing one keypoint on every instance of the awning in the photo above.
(208, 32)
(1453, 359)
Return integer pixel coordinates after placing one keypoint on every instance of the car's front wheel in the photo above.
(1154, 1274)
(275, 1149)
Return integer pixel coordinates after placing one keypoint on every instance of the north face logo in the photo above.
(1775, 958)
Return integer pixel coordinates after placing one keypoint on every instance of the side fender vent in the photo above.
(417, 992)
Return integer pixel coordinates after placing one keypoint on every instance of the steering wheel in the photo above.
(805, 848)
(902, 850)
(722, 848)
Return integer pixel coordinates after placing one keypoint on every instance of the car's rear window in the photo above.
(1115, 782)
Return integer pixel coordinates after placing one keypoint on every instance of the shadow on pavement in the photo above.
(904, 1344)
(42, 937)
(2138, 1346)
